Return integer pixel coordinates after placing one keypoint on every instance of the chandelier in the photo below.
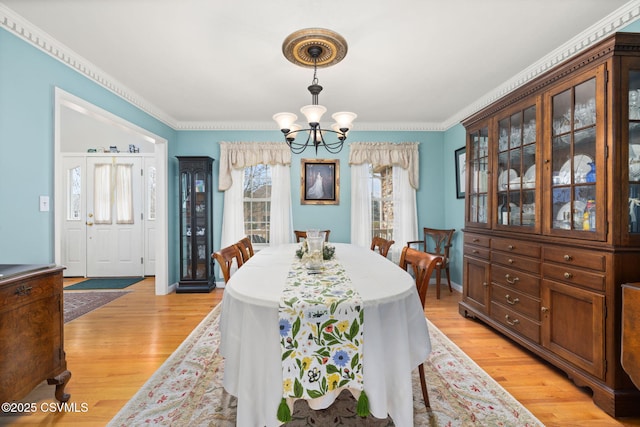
(314, 47)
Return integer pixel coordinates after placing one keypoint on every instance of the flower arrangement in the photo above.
(328, 251)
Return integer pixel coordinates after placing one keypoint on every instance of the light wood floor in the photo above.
(112, 351)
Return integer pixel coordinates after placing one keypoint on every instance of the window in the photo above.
(381, 188)
(74, 198)
(257, 202)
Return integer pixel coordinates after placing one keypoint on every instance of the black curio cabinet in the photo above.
(196, 224)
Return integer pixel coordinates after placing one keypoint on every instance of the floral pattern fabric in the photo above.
(321, 330)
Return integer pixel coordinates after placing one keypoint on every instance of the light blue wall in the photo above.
(28, 78)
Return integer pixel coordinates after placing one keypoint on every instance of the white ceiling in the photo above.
(411, 64)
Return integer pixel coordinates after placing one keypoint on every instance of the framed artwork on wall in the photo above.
(461, 171)
(319, 182)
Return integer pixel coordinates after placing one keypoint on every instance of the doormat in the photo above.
(77, 304)
(105, 283)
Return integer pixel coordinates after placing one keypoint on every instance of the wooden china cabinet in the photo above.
(196, 224)
(552, 221)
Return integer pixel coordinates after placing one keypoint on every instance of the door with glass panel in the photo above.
(578, 157)
(113, 217)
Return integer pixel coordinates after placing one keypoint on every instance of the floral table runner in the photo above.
(321, 330)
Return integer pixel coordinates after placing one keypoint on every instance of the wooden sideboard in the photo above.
(31, 330)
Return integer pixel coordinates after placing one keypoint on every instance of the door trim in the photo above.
(65, 99)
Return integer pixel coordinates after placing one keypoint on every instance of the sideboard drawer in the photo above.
(476, 251)
(516, 247)
(517, 280)
(574, 276)
(576, 257)
(477, 240)
(516, 301)
(514, 261)
(516, 322)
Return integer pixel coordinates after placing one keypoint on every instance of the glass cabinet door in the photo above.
(185, 224)
(634, 152)
(577, 153)
(200, 221)
(478, 164)
(516, 169)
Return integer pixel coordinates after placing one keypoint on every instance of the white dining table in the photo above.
(396, 336)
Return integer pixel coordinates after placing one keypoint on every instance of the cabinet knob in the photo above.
(544, 309)
(511, 301)
(509, 321)
(476, 240)
(510, 247)
(510, 261)
(568, 275)
(475, 251)
(485, 284)
(568, 257)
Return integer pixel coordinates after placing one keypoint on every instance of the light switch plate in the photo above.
(44, 203)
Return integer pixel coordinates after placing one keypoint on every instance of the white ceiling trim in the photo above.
(28, 32)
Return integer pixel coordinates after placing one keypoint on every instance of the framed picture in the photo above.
(319, 182)
(461, 171)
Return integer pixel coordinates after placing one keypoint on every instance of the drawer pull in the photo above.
(475, 240)
(568, 257)
(23, 290)
(568, 275)
(509, 321)
(509, 280)
(511, 301)
(485, 284)
(510, 261)
(544, 309)
(510, 247)
(475, 251)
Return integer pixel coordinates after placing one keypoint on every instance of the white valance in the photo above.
(239, 155)
(404, 154)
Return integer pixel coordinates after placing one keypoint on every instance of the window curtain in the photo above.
(281, 224)
(234, 157)
(124, 194)
(102, 194)
(405, 220)
(360, 205)
(404, 159)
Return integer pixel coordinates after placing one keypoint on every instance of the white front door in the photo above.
(114, 216)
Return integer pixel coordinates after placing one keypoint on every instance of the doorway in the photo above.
(157, 151)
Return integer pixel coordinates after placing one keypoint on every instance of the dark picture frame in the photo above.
(461, 171)
(319, 182)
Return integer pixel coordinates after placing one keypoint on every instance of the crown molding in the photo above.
(23, 29)
(28, 32)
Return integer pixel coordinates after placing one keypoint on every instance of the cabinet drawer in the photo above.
(516, 322)
(476, 252)
(514, 261)
(576, 257)
(516, 247)
(25, 292)
(516, 301)
(516, 280)
(477, 240)
(574, 276)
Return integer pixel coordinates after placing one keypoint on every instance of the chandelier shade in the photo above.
(314, 47)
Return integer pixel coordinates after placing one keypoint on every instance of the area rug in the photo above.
(105, 283)
(187, 390)
(77, 304)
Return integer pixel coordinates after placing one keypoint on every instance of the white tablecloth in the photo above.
(396, 338)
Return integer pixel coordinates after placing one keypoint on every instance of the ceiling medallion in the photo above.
(333, 47)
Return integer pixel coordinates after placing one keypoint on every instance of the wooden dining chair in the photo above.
(411, 257)
(303, 235)
(438, 242)
(225, 258)
(246, 248)
(381, 245)
(424, 269)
